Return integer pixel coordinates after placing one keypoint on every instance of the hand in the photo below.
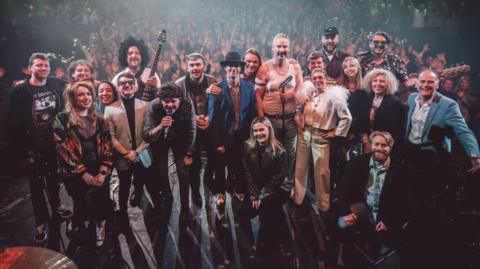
(188, 160)
(131, 156)
(202, 122)
(327, 135)
(214, 89)
(221, 149)
(98, 180)
(240, 196)
(152, 82)
(292, 61)
(350, 219)
(287, 95)
(426, 47)
(381, 227)
(256, 204)
(475, 165)
(89, 179)
(167, 121)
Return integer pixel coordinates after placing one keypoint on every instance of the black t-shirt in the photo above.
(45, 105)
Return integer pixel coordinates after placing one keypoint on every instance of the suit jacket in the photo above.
(394, 205)
(117, 121)
(444, 113)
(222, 115)
(390, 117)
(334, 67)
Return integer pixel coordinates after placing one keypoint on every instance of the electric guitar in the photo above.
(149, 92)
(456, 70)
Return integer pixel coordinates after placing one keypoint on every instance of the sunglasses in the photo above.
(125, 83)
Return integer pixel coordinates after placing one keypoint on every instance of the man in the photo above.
(431, 119)
(377, 57)
(231, 114)
(373, 201)
(276, 104)
(314, 61)
(333, 57)
(133, 56)
(125, 121)
(447, 88)
(194, 86)
(33, 106)
(170, 124)
(252, 63)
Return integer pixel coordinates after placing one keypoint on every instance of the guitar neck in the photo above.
(153, 69)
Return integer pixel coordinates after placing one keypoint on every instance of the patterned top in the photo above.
(391, 62)
(68, 145)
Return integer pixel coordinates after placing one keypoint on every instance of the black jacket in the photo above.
(266, 172)
(181, 133)
(395, 201)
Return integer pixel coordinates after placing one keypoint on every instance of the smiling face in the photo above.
(127, 86)
(252, 64)
(330, 43)
(170, 104)
(40, 69)
(105, 93)
(82, 72)
(316, 63)
(196, 68)
(427, 84)
(261, 133)
(319, 81)
(378, 44)
(83, 98)
(350, 69)
(134, 57)
(380, 149)
(379, 84)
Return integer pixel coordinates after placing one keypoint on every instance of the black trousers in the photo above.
(202, 142)
(141, 176)
(44, 177)
(89, 202)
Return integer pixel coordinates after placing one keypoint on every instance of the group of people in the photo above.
(266, 128)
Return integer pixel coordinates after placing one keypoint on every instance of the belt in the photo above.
(280, 117)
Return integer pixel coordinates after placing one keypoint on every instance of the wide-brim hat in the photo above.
(232, 58)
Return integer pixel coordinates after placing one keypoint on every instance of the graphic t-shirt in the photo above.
(45, 106)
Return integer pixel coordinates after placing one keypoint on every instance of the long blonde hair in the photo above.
(359, 77)
(71, 106)
(272, 142)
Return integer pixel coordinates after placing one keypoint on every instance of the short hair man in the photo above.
(33, 105)
(332, 56)
(133, 56)
(314, 61)
(253, 61)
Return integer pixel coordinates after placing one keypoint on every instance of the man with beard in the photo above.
(373, 202)
(332, 57)
(432, 118)
(133, 56)
(34, 103)
(194, 86)
(377, 57)
(252, 63)
(279, 105)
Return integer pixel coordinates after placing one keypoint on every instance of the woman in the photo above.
(266, 173)
(386, 111)
(323, 115)
(107, 94)
(84, 157)
(358, 105)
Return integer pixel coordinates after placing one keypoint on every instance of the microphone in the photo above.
(285, 82)
(167, 130)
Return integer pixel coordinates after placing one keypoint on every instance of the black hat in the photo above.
(330, 31)
(232, 58)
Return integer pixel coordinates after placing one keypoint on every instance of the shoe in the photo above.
(100, 232)
(63, 213)
(41, 235)
(135, 199)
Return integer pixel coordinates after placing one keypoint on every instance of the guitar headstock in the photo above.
(456, 70)
(162, 37)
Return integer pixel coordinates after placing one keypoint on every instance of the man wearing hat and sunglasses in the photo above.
(231, 114)
(378, 57)
(332, 57)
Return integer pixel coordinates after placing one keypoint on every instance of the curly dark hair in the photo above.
(130, 42)
(170, 90)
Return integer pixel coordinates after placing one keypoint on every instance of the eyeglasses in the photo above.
(231, 68)
(377, 43)
(125, 83)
